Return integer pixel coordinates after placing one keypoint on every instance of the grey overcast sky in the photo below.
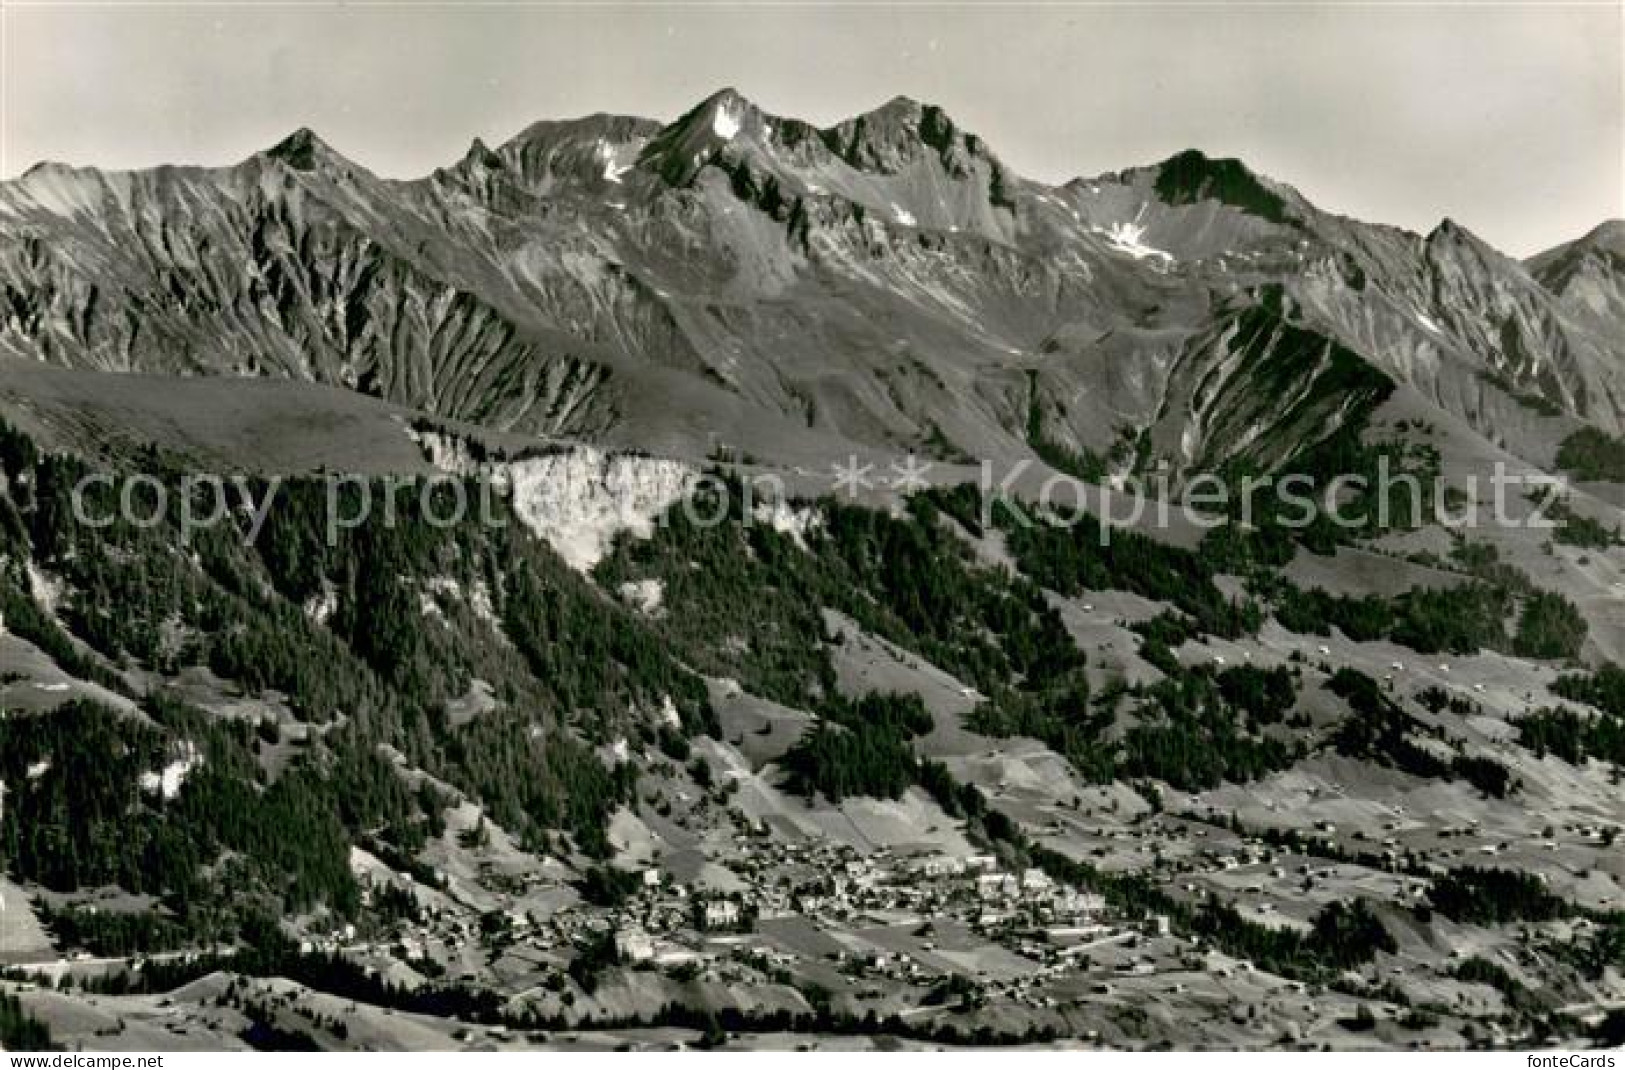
(1506, 117)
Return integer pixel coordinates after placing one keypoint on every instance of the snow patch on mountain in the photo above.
(1130, 238)
(726, 122)
(613, 169)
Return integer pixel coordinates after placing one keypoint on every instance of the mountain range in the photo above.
(735, 277)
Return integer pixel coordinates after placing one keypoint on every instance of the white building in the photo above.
(1035, 880)
(632, 944)
(997, 886)
(721, 913)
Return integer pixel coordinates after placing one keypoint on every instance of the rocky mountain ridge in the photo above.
(738, 276)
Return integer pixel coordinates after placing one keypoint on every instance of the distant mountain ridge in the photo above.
(885, 282)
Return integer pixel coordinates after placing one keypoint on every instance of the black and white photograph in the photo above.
(825, 527)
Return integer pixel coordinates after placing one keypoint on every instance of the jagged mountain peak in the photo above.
(48, 167)
(1588, 273)
(1609, 233)
(1192, 175)
(898, 113)
(710, 128)
(582, 152)
(726, 99)
(1607, 238)
(901, 102)
(303, 150)
(883, 141)
(906, 160)
(1449, 230)
(722, 116)
(1452, 239)
(480, 154)
(896, 134)
(549, 132)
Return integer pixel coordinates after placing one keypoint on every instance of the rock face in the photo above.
(740, 276)
(581, 499)
(578, 499)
